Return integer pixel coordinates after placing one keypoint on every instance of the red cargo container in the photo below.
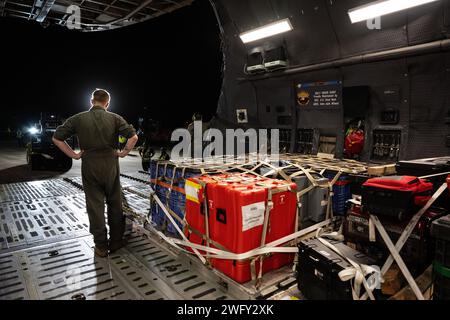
(236, 208)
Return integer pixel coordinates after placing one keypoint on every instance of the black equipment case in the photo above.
(318, 270)
(356, 183)
(396, 196)
(418, 251)
(440, 231)
(424, 167)
(428, 167)
(441, 272)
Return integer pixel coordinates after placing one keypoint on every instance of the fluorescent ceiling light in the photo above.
(383, 7)
(267, 31)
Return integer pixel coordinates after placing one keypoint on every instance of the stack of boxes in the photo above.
(314, 203)
(168, 181)
(341, 193)
(236, 204)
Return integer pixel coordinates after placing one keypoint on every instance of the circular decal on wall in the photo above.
(303, 98)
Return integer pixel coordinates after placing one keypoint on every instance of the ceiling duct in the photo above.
(45, 9)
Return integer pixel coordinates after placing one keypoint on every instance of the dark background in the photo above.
(171, 65)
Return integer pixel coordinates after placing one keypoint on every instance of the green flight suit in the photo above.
(98, 131)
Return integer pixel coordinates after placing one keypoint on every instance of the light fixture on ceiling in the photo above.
(382, 7)
(266, 31)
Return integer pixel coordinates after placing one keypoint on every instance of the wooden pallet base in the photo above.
(424, 282)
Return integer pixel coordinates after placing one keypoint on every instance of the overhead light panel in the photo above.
(266, 31)
(382, 7)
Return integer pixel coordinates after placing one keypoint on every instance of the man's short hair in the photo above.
(101, 95)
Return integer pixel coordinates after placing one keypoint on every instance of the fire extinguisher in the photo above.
(354, 141)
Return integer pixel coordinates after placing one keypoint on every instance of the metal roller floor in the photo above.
(35, 190)
(69, 270)
(46, 251)
(30, 222)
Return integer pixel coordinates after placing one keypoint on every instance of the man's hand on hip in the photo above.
(123, 154)
(68, 151)
(130, 145)
(77, 156)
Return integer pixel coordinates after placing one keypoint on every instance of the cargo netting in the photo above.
(313, 180)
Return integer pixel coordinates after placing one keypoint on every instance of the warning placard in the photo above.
(192, 191)
(320, 94)
(253, 215)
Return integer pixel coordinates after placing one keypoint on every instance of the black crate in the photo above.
(441, 273)
(441, 288)
(356, 182)
(424, 167)
(442, 252)
(391, 203)
(318, 270)
(418, 251)
(427, 167)
(440, 230)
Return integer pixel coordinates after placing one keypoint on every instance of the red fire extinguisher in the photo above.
(354, 142)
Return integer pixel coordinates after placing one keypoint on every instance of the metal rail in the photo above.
(121, 12)
(410, 51)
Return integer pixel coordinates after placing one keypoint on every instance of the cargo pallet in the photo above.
(303, 165)
(273, 284)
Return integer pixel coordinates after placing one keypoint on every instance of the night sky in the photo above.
(170, 65)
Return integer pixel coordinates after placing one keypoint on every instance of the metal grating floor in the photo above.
(175, 270)
(137, 204)
(27, 222)
(46, 251)
(77, 182)
(135, 178)
(140, 189)
(36, 190)
(70, 271)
